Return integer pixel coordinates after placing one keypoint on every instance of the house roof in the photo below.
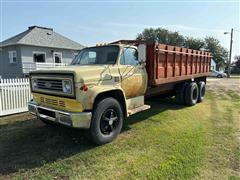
(42, 36)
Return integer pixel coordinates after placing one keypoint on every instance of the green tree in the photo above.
(162, 36)
(148, 35)
(175, 39)
(193, 43)
(237, 61)
(219, 53)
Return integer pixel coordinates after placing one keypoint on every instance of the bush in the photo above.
(235, 70)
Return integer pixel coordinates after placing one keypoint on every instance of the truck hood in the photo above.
(83, 73)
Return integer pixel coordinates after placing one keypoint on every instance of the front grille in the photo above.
(53, 102)
(61, 103)
(55, 85)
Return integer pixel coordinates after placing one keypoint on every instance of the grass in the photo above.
(166, 142)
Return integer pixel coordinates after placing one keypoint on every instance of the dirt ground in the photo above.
(220, 84)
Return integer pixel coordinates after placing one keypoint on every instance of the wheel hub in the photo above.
(109, 121)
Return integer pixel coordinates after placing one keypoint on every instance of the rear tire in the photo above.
(107, 121)
(180, 93)
(219, 76)
(191, 94)
(201, 89)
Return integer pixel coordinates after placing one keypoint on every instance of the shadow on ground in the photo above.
(30, 143)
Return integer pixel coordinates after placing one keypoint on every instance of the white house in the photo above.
(36, 48)
(213, 65)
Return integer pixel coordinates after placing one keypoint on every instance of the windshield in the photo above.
(97, 55)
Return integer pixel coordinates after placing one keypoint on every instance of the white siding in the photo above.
(27, 54)
(7, 69)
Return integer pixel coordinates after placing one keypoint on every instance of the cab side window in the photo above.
(129, 57)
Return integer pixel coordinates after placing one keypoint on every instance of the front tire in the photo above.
(107, 121)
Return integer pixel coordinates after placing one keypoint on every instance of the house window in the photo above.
(57, 57)
(12, 56)
(39, 57)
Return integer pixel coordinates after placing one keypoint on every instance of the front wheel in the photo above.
(107, 121)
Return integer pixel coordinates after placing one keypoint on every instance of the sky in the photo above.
(91, 22)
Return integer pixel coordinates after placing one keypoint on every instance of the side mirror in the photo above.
(142, 54)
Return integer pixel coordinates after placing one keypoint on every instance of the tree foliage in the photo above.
(219, 53)
(237, 61)
(164, 36)
(194, 43)
(235, 67)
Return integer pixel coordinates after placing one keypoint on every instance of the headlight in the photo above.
(67, 87)
(34, 84)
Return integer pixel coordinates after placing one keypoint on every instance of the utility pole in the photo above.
(230, 54)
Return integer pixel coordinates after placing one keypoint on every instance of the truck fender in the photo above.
(98, 92)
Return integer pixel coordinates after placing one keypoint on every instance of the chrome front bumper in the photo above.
(76, 120)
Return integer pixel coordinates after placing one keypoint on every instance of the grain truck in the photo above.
(107, 83)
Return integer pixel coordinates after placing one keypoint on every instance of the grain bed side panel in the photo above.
(167, 64)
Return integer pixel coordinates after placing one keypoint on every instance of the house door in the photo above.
(57, 57)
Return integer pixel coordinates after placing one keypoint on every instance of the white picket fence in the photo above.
(32, 66)
(14, 95)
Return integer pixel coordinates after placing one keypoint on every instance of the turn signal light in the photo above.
(84, 88)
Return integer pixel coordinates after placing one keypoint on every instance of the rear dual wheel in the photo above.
(201, 89)
(180, 94)
(190, 93)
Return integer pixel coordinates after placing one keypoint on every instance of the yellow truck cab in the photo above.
(102, 86)
(108, 79)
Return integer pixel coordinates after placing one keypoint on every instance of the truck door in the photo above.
(133, 74)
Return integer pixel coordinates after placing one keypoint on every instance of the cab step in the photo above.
(138, 109)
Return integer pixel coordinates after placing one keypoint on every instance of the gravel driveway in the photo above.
(220, 84)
